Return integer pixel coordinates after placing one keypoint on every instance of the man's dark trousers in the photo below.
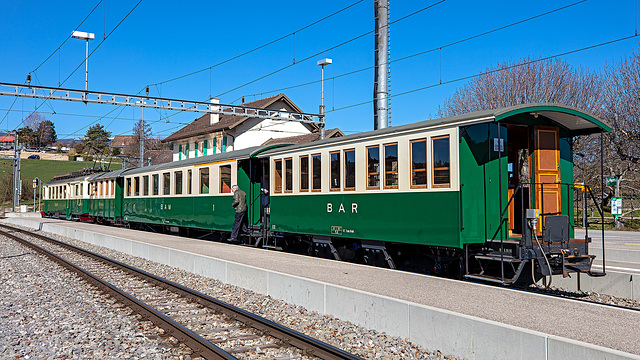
(238, 221)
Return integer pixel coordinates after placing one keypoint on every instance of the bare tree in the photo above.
(33, 121)
(527, 81)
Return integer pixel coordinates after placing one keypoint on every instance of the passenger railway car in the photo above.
(486, 195)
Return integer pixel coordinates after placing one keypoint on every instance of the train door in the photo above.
(547, 171)
(518, 150)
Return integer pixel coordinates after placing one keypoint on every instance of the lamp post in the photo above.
(323, 62)
(85, 36)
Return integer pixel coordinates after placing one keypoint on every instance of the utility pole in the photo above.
(380, 85)
(17, 184)
(142, 141)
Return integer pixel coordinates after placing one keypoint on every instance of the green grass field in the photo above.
(45, 170)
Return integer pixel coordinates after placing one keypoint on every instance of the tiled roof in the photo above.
(202, 126)
(123, 140)
(159, 156)
(301, 139)
(8, 138)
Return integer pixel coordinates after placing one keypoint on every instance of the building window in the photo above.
(128, 187)
(391, 166)
(156, 179)
(214, 145)
(204, 180)
(334, 161)
(204, 149)
(316, 172)
(350, 169)
(189, 181)
(186, 151)
(166, 183)
(441, 168)
(277, 166)
(288, 175)
(373, 167)
(419, 163)
(304, 173)
(224, 144)
(225, 178)
(180, 152)
(196, 148)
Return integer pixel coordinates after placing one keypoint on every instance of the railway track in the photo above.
(211, 328)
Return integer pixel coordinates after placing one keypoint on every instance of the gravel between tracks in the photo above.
(48, 312)
(357, 340)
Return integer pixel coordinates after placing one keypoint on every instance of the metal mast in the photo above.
(380, 86)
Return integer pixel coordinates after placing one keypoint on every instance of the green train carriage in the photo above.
(454, 196)
(447, 196)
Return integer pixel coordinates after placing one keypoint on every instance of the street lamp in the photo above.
(323, 62)
(85, 36)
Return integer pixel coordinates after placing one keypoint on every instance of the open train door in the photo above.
(547, 172)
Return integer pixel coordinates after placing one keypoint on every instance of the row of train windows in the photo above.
(102, 188)
(58, 192)
(140, 186)
(379, 170)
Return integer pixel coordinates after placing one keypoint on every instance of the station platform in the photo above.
(464, 319)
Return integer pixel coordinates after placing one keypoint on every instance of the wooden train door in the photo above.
(547, 172)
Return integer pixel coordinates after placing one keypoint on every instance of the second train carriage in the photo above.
(455, 196)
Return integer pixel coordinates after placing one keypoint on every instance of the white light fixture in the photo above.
(85, 36)
(323, 62)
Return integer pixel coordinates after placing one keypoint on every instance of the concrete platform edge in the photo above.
(432, 328)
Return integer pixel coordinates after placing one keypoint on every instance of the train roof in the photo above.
(573, 121)
(232, 155)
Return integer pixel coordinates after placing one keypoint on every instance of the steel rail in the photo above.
(198, 344)
(307, 344)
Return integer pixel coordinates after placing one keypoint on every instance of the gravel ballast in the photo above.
(48, 312)
(357, 340)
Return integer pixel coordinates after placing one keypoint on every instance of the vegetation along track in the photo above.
(211, 328)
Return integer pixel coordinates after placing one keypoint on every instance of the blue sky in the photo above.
(161, 40)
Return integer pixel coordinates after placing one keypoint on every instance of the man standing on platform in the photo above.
(240, 204)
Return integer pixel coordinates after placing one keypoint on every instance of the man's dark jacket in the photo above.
(239, 201)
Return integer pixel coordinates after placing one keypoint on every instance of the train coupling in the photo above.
(574, 262)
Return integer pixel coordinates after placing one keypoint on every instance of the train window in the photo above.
(189, 181)
(102, 188)
(277, 166)
(177, 180)
(204, 180)
(350, 169)
(304, 173)
(225, 178)
(166, 183)
(128, 187)
(441, 165)
(334, 159)
(391, 166)
(288, 175)
(419, 163)
(136, 186)
(316, 172)
(373, 167)
(145, 185)
(155, 178)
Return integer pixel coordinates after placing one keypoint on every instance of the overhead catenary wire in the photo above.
(439, 48)
(91, 53)
(259, 47)
(495, 70)
(67, 38)
(328, 49)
